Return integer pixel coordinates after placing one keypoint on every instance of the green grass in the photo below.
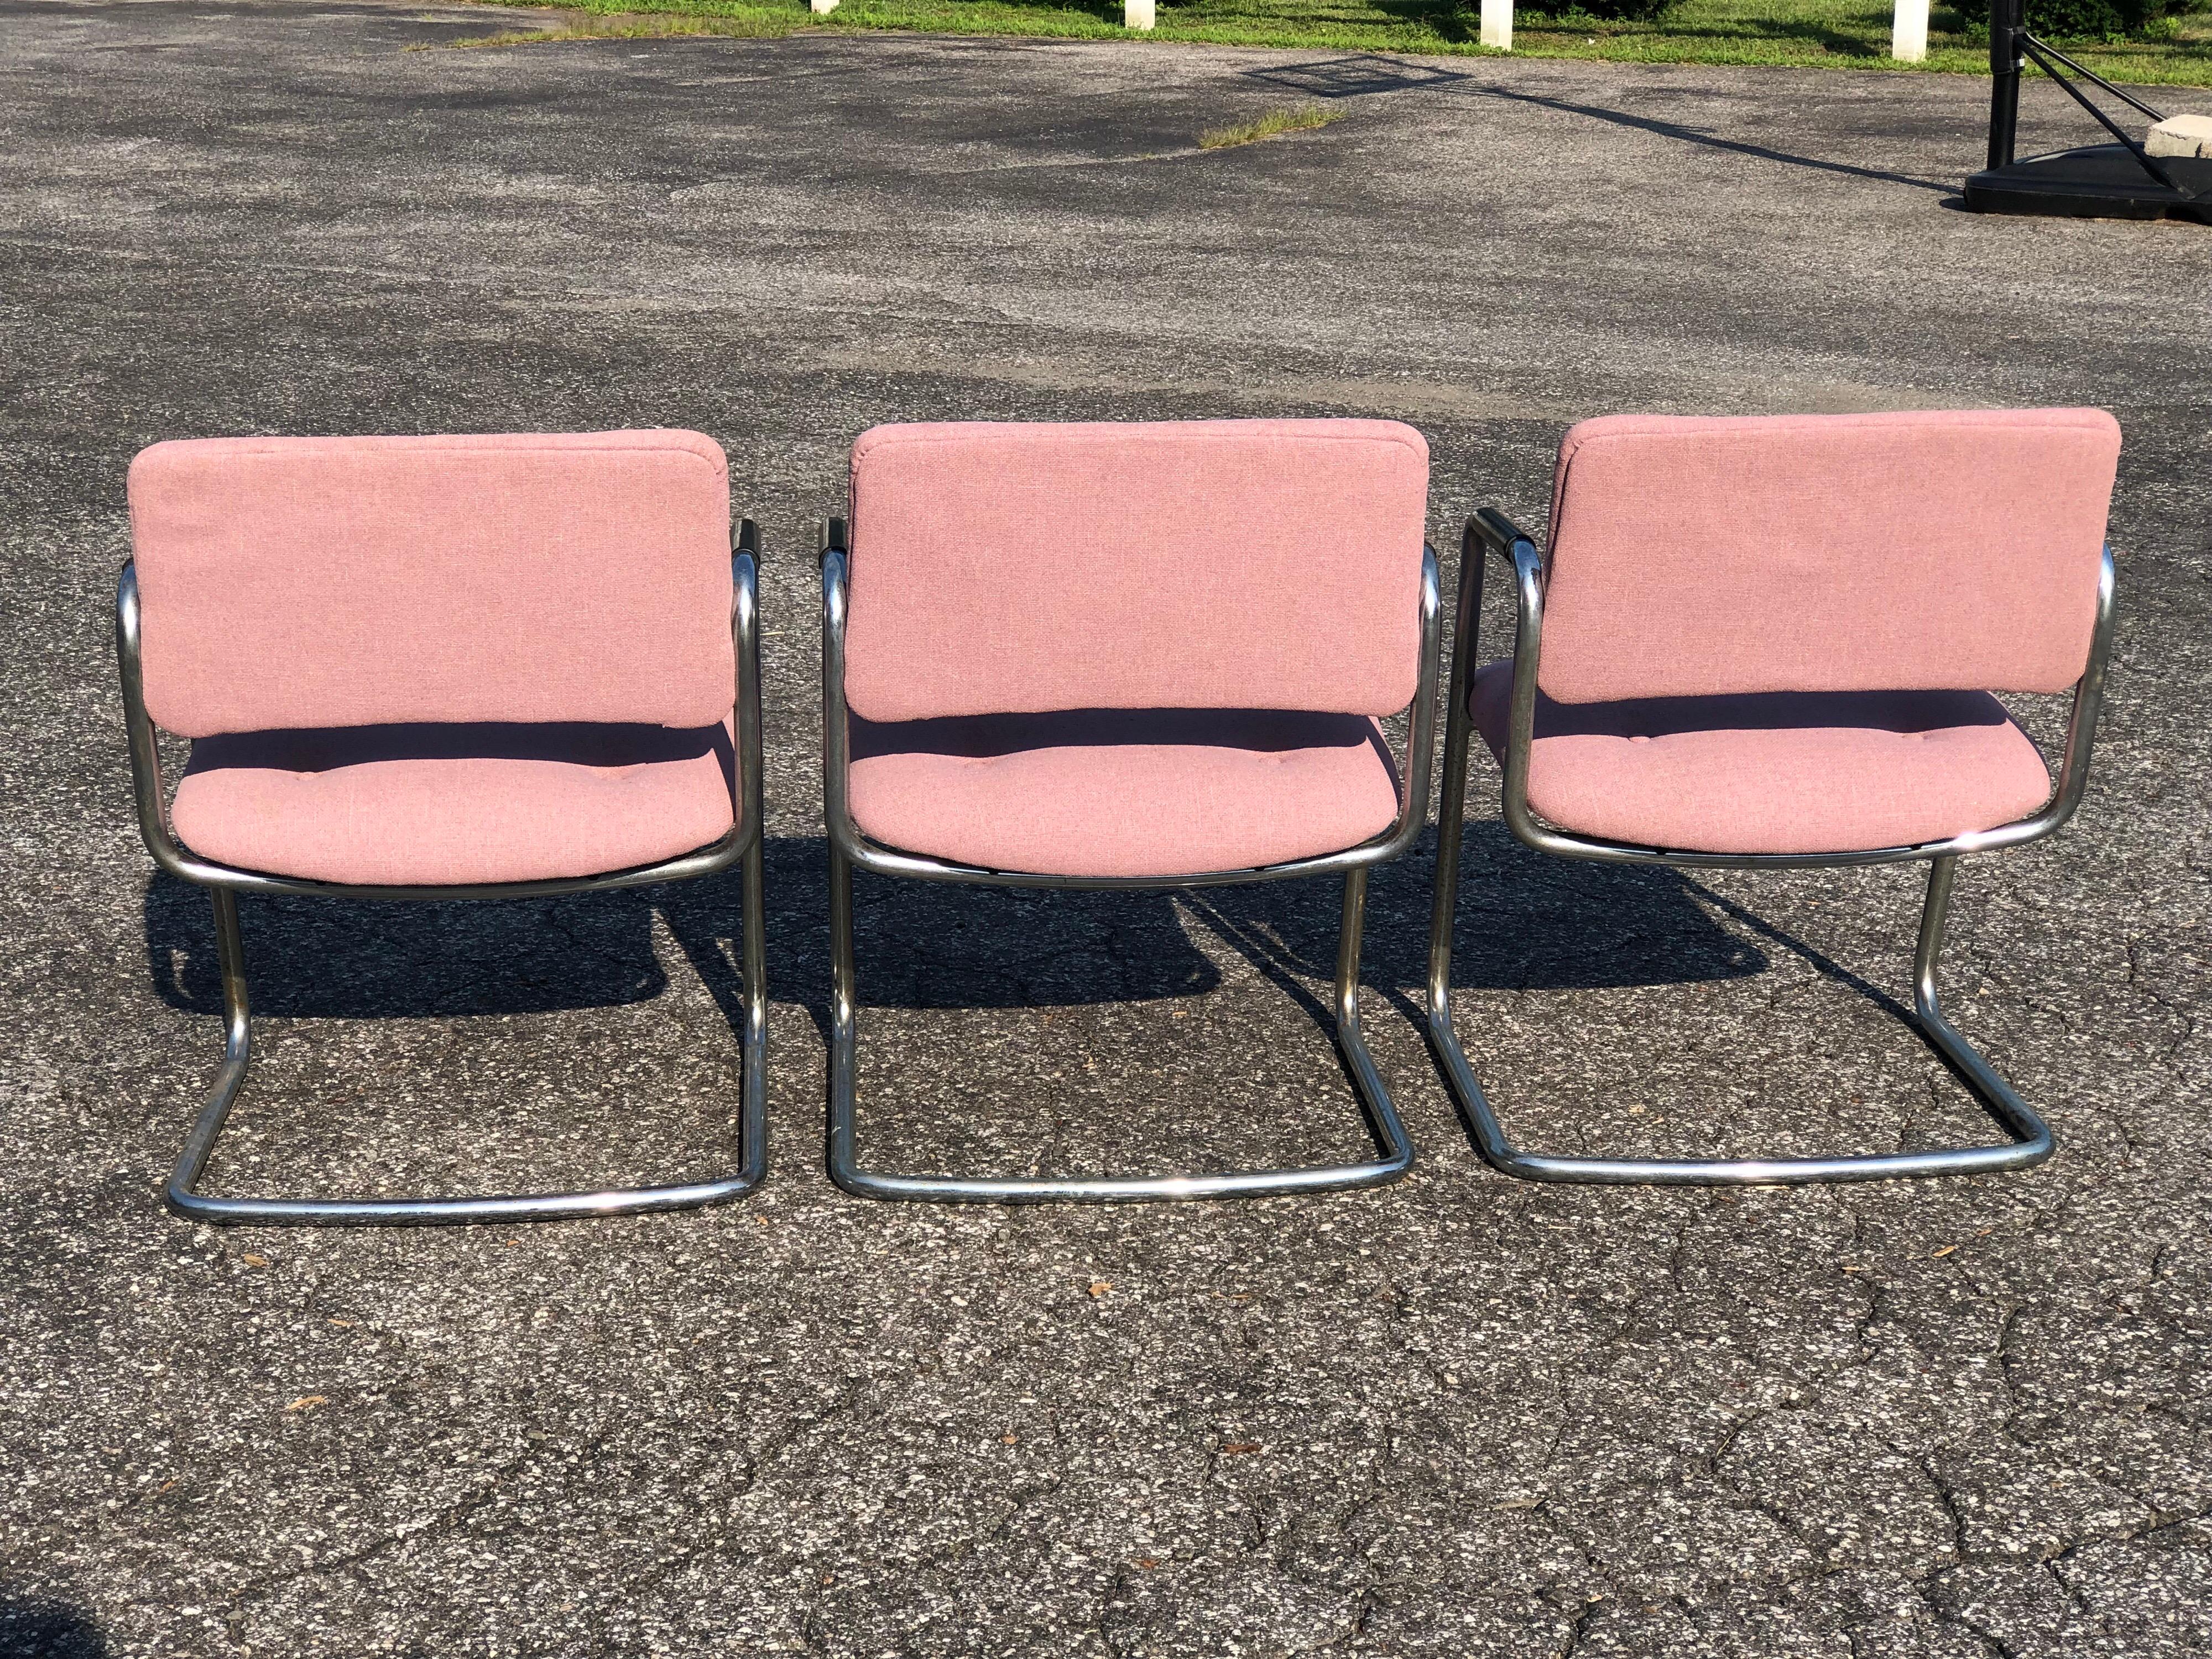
(1824, 33)
(589, 26)
(1303, 117)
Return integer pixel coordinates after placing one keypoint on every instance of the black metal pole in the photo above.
(2007, 22)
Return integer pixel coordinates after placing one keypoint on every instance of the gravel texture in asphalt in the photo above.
(1462, 1415)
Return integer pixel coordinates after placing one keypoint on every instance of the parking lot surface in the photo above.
(1461, 1415)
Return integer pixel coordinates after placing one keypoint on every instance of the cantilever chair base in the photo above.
(181, 1196)
(2032, 1140)
(1397, 1147)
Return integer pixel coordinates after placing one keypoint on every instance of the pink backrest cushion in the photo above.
(1922, 552)
(353, 581)
(1240, 564)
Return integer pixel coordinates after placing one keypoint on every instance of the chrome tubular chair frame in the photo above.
(850, 848)
(1491, 531)
(742, 846)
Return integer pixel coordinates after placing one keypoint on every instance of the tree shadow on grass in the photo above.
(1824, 32)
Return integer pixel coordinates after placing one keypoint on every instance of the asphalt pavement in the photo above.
(1461, 1415)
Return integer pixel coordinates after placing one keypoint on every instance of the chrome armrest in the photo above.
(1491, 531)
(1421, 730)
(149, 791)
(2080, 727)
(836, 746)
(744, 640)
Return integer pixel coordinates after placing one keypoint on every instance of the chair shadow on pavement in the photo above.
(1525, 923)
(38, 1627)
(313, 958)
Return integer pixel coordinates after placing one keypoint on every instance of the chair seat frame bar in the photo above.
(850, 848)
(741, 847)
(1492, 532)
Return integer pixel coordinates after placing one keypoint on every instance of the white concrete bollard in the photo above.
(1137, 13)
(1908, 31)
(821, 8)
(1496, 28)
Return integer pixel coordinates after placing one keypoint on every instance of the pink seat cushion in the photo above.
(1123, 792)
(454, 805)
(1781, 771)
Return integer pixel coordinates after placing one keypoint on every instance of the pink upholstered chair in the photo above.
(1772, 642)
(1127, 656)
(449, 667)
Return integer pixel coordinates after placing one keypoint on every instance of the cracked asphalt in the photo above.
(1462, 1415)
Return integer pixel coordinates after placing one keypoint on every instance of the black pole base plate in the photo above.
(2099, 181)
